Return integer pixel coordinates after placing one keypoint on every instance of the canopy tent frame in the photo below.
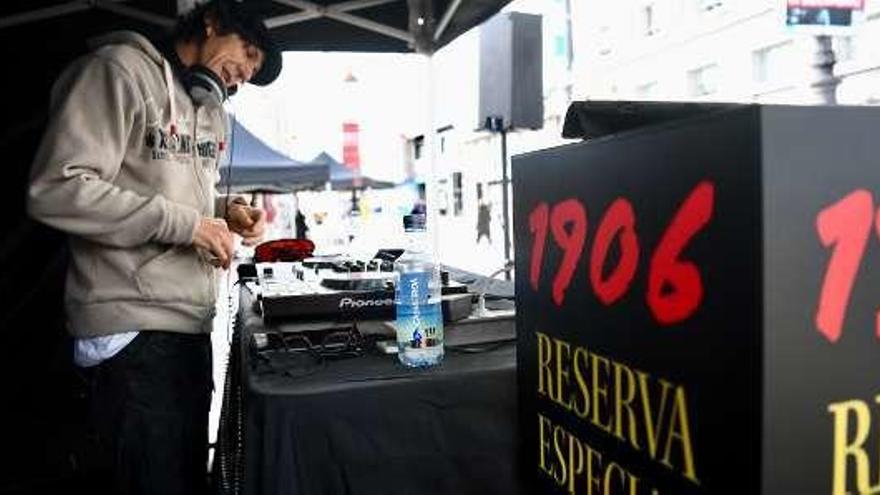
(309, 11)
(81, 5)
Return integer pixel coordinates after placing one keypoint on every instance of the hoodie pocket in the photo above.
(175, 275)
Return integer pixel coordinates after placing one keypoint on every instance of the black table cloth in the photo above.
(292, 424)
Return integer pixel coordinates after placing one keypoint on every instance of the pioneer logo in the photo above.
(350, 303)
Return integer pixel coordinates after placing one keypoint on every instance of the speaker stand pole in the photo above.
(505, 200)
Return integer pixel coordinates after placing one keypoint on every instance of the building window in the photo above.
(703, 80)
(604, 40)
(418, 147)
(560, 47)
(443, 142)
(844, 48)
(649, 19)
(457, 196)
(709, 5)
(443, 196)
(872, 10)
(646, 90)
(771, 63)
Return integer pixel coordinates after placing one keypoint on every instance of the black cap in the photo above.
(245, 18)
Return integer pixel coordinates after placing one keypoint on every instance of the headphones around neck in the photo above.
(203, 86)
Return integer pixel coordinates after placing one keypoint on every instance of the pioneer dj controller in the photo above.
(340, 289)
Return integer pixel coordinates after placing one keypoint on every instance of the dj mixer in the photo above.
(340, 289)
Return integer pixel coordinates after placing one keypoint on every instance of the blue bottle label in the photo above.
(419, 324)
(414, 288)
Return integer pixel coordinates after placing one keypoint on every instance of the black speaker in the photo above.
(596, 118)
(511, 79)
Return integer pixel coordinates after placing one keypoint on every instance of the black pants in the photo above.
(150, 405)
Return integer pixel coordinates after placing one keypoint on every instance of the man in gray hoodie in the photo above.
(128, 168)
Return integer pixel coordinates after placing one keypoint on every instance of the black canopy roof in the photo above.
(39, 37)
(325, 25)
(343, 178)
(254, 166)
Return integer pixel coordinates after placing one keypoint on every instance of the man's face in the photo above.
(229, 56)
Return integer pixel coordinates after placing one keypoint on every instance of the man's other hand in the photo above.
(248, 222)
(213, 236)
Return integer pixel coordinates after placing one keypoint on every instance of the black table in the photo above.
(366, 425)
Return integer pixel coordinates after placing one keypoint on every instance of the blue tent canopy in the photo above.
(254, 166)
(344, 178)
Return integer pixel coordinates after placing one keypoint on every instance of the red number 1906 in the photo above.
(675, 288)
(846, 225)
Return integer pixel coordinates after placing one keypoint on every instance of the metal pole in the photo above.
(569, 59)
(824, 86)
(432, 192)
(505, 208)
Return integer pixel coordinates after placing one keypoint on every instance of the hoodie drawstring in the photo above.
(169, 83)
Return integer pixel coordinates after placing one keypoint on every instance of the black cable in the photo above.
(230, 436)
(231, 157)
(230, 451)
(230, 309)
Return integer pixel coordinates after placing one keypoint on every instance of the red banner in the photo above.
(350, 153)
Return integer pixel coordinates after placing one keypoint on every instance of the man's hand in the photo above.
(248, 222)
(213, 236)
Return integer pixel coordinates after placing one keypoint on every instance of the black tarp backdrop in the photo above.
(254, 166)
(41, 423)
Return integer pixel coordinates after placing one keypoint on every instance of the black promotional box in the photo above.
(698, 306)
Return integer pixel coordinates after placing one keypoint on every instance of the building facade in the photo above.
(665, 50)
(716, 50)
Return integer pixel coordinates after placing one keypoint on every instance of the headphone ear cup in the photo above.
(205, 87)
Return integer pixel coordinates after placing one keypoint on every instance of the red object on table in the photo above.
(284, 250)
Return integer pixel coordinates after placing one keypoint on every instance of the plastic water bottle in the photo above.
(417, 296)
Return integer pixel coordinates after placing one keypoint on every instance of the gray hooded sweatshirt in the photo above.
(127, 167)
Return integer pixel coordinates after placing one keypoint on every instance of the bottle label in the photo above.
(414, 288)
(419, 323)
